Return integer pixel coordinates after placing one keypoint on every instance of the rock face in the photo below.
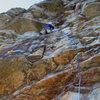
(4, 19)
(91, 9)
(8, 33)
(22, 25)
(15, 11)
(20, 21)
(45, 67)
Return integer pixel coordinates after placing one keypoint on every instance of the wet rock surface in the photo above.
(45, 67)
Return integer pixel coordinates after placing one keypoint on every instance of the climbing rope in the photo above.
(71, 84)
(79, 74)
(78, 66)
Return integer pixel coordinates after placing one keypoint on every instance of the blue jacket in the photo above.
(48, 26)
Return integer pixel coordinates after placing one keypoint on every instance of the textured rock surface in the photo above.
(4, 19)
(91, 9)
(15, 11)
(20, 21)
(21, 25)
(44, 67)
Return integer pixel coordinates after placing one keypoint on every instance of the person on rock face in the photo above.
(47, 28)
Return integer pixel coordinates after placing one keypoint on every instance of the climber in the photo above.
(47, 28)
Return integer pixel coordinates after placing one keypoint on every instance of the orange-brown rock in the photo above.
(54, 84)
(45, 67)
(12, 74)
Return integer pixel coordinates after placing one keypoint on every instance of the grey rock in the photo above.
(8, 34)
(91, 10)
(15, 11)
